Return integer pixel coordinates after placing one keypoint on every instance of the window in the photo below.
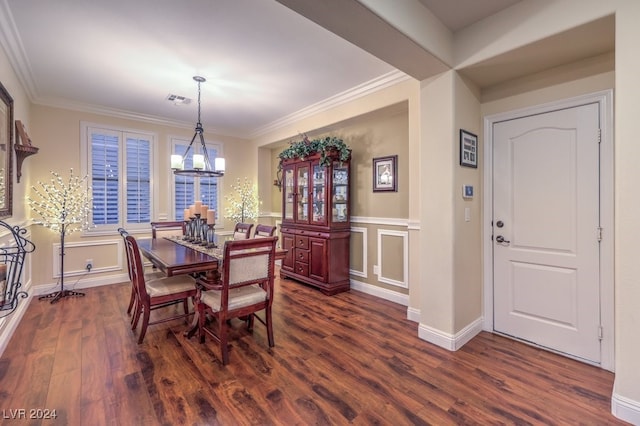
(119, 165)
(188, 189)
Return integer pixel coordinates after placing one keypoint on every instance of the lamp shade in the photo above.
(219, 164)
(176, 162)
(198, 161)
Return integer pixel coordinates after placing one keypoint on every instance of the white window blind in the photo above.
(138, 180)
(104, 177)
(119, 168)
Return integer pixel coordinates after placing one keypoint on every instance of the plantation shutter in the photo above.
(138, 162)
(104, 177)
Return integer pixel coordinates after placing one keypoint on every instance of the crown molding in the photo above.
(362, 90)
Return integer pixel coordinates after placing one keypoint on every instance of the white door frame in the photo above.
(605, 99)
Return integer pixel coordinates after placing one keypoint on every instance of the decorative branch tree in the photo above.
(64, 207)
(243, 204)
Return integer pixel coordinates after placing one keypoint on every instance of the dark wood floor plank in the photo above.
(350, 358)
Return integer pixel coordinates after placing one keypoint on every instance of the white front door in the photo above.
(546, 230)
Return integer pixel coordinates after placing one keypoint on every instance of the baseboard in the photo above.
(451, 342)
(84, 283)
(625, 409)
(413, 314)
(383, 293)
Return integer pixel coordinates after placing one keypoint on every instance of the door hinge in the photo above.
(600, 332)
(599, 136)
(599, 231)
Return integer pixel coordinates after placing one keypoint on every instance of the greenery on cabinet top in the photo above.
(323, 146)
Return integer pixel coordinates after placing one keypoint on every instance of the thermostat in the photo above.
(467, 191)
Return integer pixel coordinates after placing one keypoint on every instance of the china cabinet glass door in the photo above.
(303, 193)
(319, 206)
(289, 191)
(340, 193)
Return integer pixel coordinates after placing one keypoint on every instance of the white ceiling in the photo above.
(262, 61)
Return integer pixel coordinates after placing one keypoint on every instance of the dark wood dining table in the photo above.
(174, 258)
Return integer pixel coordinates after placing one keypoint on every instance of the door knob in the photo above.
(500, 239)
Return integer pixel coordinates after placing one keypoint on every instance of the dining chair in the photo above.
(167, 228)
(156, 293)
(264, 231)
(242, 231)
(149, 275)
(245, 288)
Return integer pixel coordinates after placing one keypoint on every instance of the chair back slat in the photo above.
(137, 267)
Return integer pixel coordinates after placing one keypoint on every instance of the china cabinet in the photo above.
(315, 222)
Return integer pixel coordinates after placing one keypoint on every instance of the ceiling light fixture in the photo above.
(202, 167)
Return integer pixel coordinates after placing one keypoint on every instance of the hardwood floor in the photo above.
(345, 359)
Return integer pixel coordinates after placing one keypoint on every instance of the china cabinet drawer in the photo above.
(301, 255)
(302, 242)
(302, 268)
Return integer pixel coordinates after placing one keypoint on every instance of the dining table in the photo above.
(174, 256)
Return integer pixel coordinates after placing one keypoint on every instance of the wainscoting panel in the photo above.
(107, 256)
(390, 241)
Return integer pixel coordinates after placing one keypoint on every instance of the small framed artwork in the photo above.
(385, 173)
(468, 149)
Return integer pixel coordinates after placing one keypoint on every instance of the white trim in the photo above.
(625, 409)
(405, 257)
(451, 342)
(80, 284)
(365, 252)
(605, 100)
(387, 221)
(383, 293)
(413, 314)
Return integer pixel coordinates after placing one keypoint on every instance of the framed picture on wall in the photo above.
(468, 149)
(385, 173)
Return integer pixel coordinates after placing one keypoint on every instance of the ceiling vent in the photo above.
(178, 100)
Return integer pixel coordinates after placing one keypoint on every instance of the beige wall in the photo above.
(467, 266)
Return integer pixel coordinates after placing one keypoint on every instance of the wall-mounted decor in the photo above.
(23, 147)
(6, 145)
(385, 173)
(468, 149)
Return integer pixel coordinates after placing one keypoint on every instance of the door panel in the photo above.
(546, 196)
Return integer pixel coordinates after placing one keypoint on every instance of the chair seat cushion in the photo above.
(153, 275)
(239, 297)
(169, 285)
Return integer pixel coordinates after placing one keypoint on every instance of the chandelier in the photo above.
(202, 167)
